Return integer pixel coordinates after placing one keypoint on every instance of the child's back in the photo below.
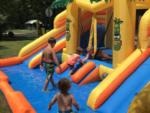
(65, 102)
(64, 99)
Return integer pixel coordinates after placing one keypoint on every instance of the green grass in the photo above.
(11, 48)
(4, 108)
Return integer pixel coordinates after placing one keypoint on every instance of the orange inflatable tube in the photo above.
(81, 73)
(16, 100)
(63, 66)
(92, 77)
(60, 23)
(3, 77)
(10, 61)
(60, 46)
(116, 83)
(5, 87)
(149, 51)
(18, 103)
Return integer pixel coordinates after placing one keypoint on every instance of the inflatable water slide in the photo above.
(113, 95)
(29, 57)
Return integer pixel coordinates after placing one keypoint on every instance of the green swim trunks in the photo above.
(49, 67)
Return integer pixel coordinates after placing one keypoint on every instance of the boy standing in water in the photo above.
(47, 61)
(64, 99)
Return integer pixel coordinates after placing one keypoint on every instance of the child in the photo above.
(47, 60)
(75, 67)
(80, 62)
(72, 61)
(64, 99)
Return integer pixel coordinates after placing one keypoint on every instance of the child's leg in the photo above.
(104, 56)
(76, 68)
(70, 72)
(71, 69)
(49, 79)
(46, 84)
(52, 80)
(49, 67)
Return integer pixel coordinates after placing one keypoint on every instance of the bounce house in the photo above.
(99, 24)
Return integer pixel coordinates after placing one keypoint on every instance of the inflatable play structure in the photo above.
(126, 75)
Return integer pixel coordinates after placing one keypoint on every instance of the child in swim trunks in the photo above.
(48, 61)
(63, 98)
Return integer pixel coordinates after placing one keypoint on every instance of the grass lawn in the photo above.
(11, 48)
(4, 108)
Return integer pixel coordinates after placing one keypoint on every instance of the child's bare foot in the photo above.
(45, 91)
(54, 86)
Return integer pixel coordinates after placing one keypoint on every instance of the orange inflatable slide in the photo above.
(83, 71)
(15, 99)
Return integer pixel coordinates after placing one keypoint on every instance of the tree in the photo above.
(17, 12)
(2, 24)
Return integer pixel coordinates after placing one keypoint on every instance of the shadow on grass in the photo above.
(3, 47)
(16, 38)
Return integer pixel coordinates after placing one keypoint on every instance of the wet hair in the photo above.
(64, 85)
(51, 40)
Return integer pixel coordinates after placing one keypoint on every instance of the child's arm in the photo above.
(41, 63)
(52, 102)
(74, 102)
(85, 58)
(55, 57)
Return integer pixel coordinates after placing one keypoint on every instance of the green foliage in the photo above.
(98, 1)
(94, 1)
(2, 23)
(2, 19)
(60, 3)
(63, 3)
(107, 1)
(32, 9)
(20, 11)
